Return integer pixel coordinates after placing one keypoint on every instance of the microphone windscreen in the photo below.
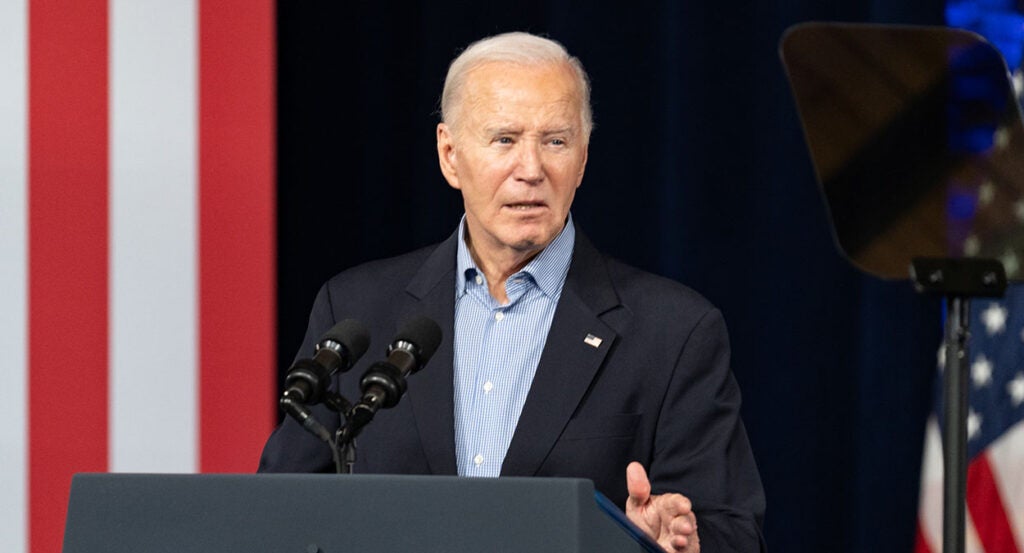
(351, 334)
(424, 333)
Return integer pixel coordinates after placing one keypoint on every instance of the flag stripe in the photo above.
(13, 268)
(67, 285)
(993, 477)
(972, 543)
(987, 507)
(153, 173)
(100, 321)
(236, 231)
(1006, 455)
(920, 542)
(930, 505)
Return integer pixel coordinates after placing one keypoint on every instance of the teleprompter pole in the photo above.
(954, 432)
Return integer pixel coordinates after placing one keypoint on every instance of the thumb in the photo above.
(638, 486)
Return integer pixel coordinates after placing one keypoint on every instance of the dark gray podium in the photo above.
(308, 513)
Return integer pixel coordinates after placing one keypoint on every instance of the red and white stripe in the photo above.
(13, 270)
(136, 245)
(995, 496)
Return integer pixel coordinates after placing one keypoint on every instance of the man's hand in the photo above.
(668, 518)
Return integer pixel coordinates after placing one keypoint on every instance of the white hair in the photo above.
(520, 48)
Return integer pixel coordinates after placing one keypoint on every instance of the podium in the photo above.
(314, 513)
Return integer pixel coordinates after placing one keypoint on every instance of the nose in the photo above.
(530, 168)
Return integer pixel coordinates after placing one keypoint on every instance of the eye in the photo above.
(504, 140)
(557, 142)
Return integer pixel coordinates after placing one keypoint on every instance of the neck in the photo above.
(498, 265)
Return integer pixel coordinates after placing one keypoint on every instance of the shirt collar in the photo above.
(548, 269)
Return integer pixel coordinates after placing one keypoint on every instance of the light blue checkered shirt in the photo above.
(498, 347)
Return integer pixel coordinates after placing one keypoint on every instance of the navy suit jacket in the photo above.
(657, 389)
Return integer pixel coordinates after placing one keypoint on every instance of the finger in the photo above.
(682, 525)
(637, 484)
(672, 505)
(679, 543)
(690, 543)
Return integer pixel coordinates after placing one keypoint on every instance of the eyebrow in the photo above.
(494, 131)
(562, 130)
(503, 130)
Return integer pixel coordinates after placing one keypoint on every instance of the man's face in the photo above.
(517, 153)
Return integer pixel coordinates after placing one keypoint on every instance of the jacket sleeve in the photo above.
(701, 448)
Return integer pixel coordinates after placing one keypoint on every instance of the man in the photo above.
(556, 360)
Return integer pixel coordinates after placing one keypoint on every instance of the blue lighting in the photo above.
(976, 100)
(998, 21)
(961, 205)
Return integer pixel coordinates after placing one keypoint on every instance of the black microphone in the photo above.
(384, 382)
(338, 349)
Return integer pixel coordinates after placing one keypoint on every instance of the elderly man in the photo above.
(557, 361)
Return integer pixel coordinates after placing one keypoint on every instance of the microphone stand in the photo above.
(340, 448)
(356, 417)
(347, 442)
(353, 419)
(383, 385)
(335, 402)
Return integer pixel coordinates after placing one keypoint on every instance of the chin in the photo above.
(526, 246)
(530, 240)
(530, 243)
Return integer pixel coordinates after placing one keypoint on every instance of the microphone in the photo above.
(338, 349)
(384, 382)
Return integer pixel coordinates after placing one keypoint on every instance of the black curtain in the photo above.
(697, 171)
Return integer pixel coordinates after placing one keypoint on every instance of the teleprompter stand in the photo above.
(917, 139)
(958, 281)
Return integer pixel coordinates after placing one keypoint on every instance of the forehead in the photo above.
(498, 90)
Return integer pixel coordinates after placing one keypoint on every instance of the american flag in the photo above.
(995, 436)
(136, 245)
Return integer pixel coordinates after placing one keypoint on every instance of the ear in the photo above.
(446, 155)
(583, 165)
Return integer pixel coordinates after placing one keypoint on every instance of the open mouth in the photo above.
(524, 206)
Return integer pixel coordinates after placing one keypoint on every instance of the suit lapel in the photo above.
(570, 361)
(430, 391)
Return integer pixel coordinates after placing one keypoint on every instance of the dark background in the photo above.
(697, 171)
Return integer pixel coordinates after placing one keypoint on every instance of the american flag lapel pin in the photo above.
(592, 341)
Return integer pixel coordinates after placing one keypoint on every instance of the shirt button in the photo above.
(479, 279)
(499, 316)
(488, 386)
(478, 460)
